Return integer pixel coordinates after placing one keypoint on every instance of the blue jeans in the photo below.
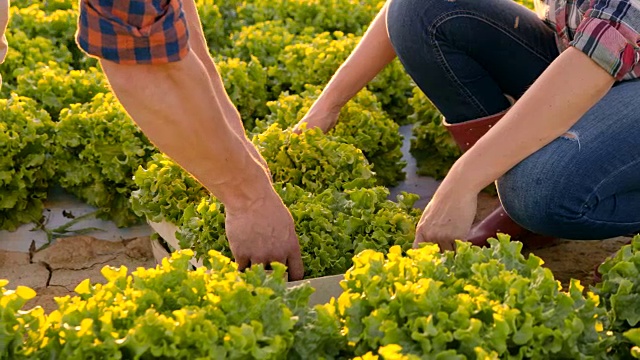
(466, 55)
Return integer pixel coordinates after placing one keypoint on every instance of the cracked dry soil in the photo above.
(58, 269)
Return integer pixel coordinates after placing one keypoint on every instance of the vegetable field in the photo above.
(62, 127)
(479, 303)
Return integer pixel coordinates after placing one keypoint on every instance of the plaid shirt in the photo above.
(608, 31)
(133, 31)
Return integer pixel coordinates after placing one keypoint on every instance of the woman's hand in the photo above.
(564, 92)
(319, 116)
(371, 55)
(448, 217)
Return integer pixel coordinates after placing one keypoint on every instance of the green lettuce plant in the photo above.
(97, 150)
(26, 139)
(476, 303)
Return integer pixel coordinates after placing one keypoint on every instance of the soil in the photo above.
(56, 270)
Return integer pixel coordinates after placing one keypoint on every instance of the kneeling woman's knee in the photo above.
(406, 24)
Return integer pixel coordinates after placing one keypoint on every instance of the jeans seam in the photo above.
(595, 190)
(443, 62)
(450, 73)
(607, 222)
(507, 31)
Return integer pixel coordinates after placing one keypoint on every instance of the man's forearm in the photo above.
(372, 54)
(571, 85)
(4, 20)
(198, 45)
(180, 113)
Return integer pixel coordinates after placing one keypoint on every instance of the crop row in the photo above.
(64, 128)
(61, 125)
(479, 303)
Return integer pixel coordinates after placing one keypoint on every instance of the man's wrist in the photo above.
(252, 197)
(246, 190)
(4, 47)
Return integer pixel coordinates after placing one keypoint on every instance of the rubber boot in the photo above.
(466, 135)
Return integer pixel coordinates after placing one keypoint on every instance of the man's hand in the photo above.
(262, 233)
(175, 105)
(447, 217)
